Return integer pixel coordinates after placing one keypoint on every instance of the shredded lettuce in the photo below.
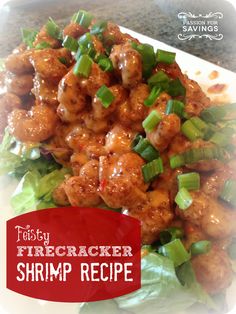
(161, 291)
(34, 191)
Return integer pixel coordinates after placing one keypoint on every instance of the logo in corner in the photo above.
(200, 26)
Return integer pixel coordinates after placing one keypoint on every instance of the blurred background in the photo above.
(154, 18)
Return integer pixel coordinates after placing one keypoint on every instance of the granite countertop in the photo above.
(154, 18)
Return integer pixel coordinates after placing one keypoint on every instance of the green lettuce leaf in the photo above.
(161, 291)
(2, 64)
(9, 162)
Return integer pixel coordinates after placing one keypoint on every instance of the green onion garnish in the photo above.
(228, 193)
(152, 169)
(199, 124)
(183, 199)
(105, 64)
(213, 114)
(189, 181)
(175, 106)
(144, 148)
(220, 139)
(176, 252)
(42, 45)
(155, 92)
(151, 120)
(91, 52)
(190, 131)
(197, 154)
(83, 18)
(98, 28)
(176, 88)
(200, 247)
(70, 43)
(28, 36)
(165, 56)
(83, 66)
(63, 60)
(159, 77)
(53, 29)
(86, 40)
(171, 234)
(105, 96)
(148, 57)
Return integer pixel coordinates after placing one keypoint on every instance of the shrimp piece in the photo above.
(192, 234)
(59, 195)
(8, 102)
(19, 63)
(133, 111)
(113, 36)
(155, 214)
(165, 131)
(71, 98)
(121, 180)
(95, 125)
(99, 112)
(96, 79)
(98, 46)
(45, 91)
(19, 84)
(47, 64)
(43, 36)
(213, 270)
(128, 62)
(74, 30)
(215, 220)
(118, 140)
(36, 125)
(82, 190)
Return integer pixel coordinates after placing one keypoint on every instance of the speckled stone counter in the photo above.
(154, 18)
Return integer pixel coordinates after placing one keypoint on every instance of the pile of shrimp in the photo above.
(44, 101)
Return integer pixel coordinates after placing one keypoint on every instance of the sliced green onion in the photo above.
(152, 169)
(148, 57)
(155, 92)
(105, 64)
(176, 88)
(83, 66)
(190, 131)
(197, 154)
(165, 56)
(42, 45)
(158, 78)
(105, 96)
(176, 252)
(232, 249)
(53, 29)
(63, 60)
(210, 131)
(177, 161)
(144, 148)
(151, 121)
(200, 247)
(189, 181)
(70, 43)
(98, 28)
(83, 18)
(199, 124)
(28, 36)
(183, 199)
(91, 52)
(213, 114)
(86, 40)
(171, 234)
(228, 193)
(175, 106)
(220, 139)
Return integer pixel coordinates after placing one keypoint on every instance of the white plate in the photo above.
(13, 303)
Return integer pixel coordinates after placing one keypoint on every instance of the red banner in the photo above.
(73, 254)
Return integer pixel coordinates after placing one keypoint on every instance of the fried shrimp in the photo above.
(128, 62)
(36, 125)
(71, 98)
(121, 181)
(82, 190)
(19, 63)
(19, 84)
